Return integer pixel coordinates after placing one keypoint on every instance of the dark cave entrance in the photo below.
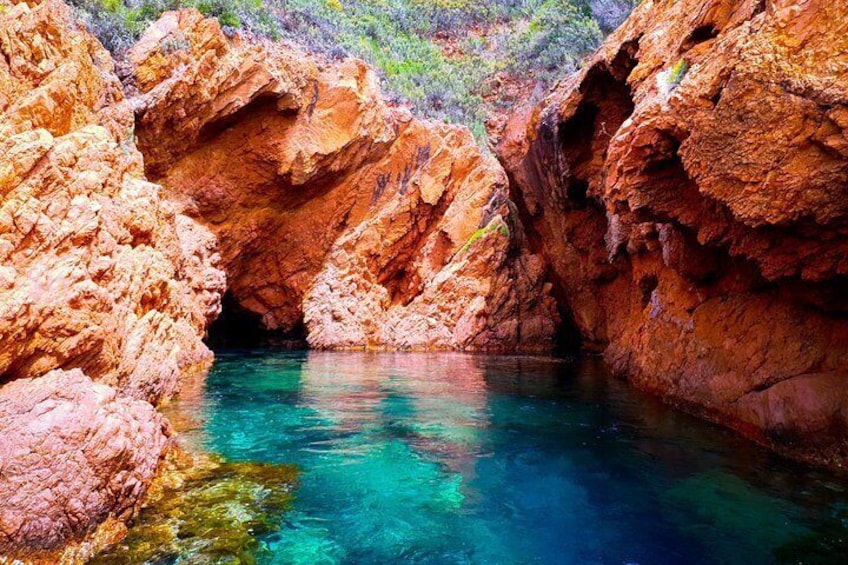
(239, 328)
(568, 341)
(564, 174)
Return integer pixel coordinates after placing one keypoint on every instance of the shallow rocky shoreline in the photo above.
(681, 204)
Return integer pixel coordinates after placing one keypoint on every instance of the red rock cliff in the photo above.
(333, 210)
(689, 189)
(105, 291)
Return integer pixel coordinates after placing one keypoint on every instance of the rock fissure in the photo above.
(722, 223)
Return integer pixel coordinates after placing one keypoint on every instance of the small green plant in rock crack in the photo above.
(482, 232)
(676, 73)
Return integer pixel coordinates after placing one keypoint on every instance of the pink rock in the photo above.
(72, 453)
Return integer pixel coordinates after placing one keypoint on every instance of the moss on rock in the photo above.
(205, 510)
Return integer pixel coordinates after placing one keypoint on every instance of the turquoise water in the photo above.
(449, 458)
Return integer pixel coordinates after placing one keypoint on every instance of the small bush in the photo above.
(558, 36)
(403, 39)
(677, 72)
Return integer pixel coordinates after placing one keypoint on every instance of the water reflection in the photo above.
(450, 458)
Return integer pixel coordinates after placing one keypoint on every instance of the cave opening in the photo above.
(239, 328)
(583, 142)
(566, 168)
(699, 35)
(568, 341)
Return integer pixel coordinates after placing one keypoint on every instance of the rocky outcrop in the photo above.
(73, 453)
(105, 291)
(689, 189)
(99, 272)
(332, 210)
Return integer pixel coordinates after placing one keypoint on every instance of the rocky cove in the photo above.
(679, 206)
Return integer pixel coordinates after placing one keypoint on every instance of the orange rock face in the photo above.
(689, 189)
(333, 210)
(101, 281)
(98, 271)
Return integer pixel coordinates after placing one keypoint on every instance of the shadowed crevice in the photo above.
(237, 327)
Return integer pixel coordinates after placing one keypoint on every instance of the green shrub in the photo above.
(402, 39)
(559, 35)
(677, 72)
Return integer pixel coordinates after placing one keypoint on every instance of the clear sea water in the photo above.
(455, 459)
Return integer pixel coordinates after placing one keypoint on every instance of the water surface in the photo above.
(449, 458)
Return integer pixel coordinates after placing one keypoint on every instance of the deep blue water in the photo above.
(449, 458)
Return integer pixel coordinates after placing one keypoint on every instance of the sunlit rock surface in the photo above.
(689, 188)
(98, 271)
(72, 453)
(333, 210)
(101, 283)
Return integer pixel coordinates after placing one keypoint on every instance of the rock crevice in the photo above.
(688, 190)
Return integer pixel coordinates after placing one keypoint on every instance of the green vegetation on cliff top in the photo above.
(450, 59)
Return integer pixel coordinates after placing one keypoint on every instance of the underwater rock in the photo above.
(203, 510)
(689, 189)
(331, 208)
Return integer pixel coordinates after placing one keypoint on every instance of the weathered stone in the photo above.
(73, 453)
(99, 272)
(689, 188)
(331, 208)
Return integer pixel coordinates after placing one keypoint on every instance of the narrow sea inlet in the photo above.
(448, 458)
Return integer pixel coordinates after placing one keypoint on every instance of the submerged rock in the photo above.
(689, 188)
(203, 510)
(331, 208)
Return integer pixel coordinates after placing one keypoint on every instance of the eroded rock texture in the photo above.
(689, 189)
(73, 453)
(333, 210)
(100, 281)
(98, 271)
